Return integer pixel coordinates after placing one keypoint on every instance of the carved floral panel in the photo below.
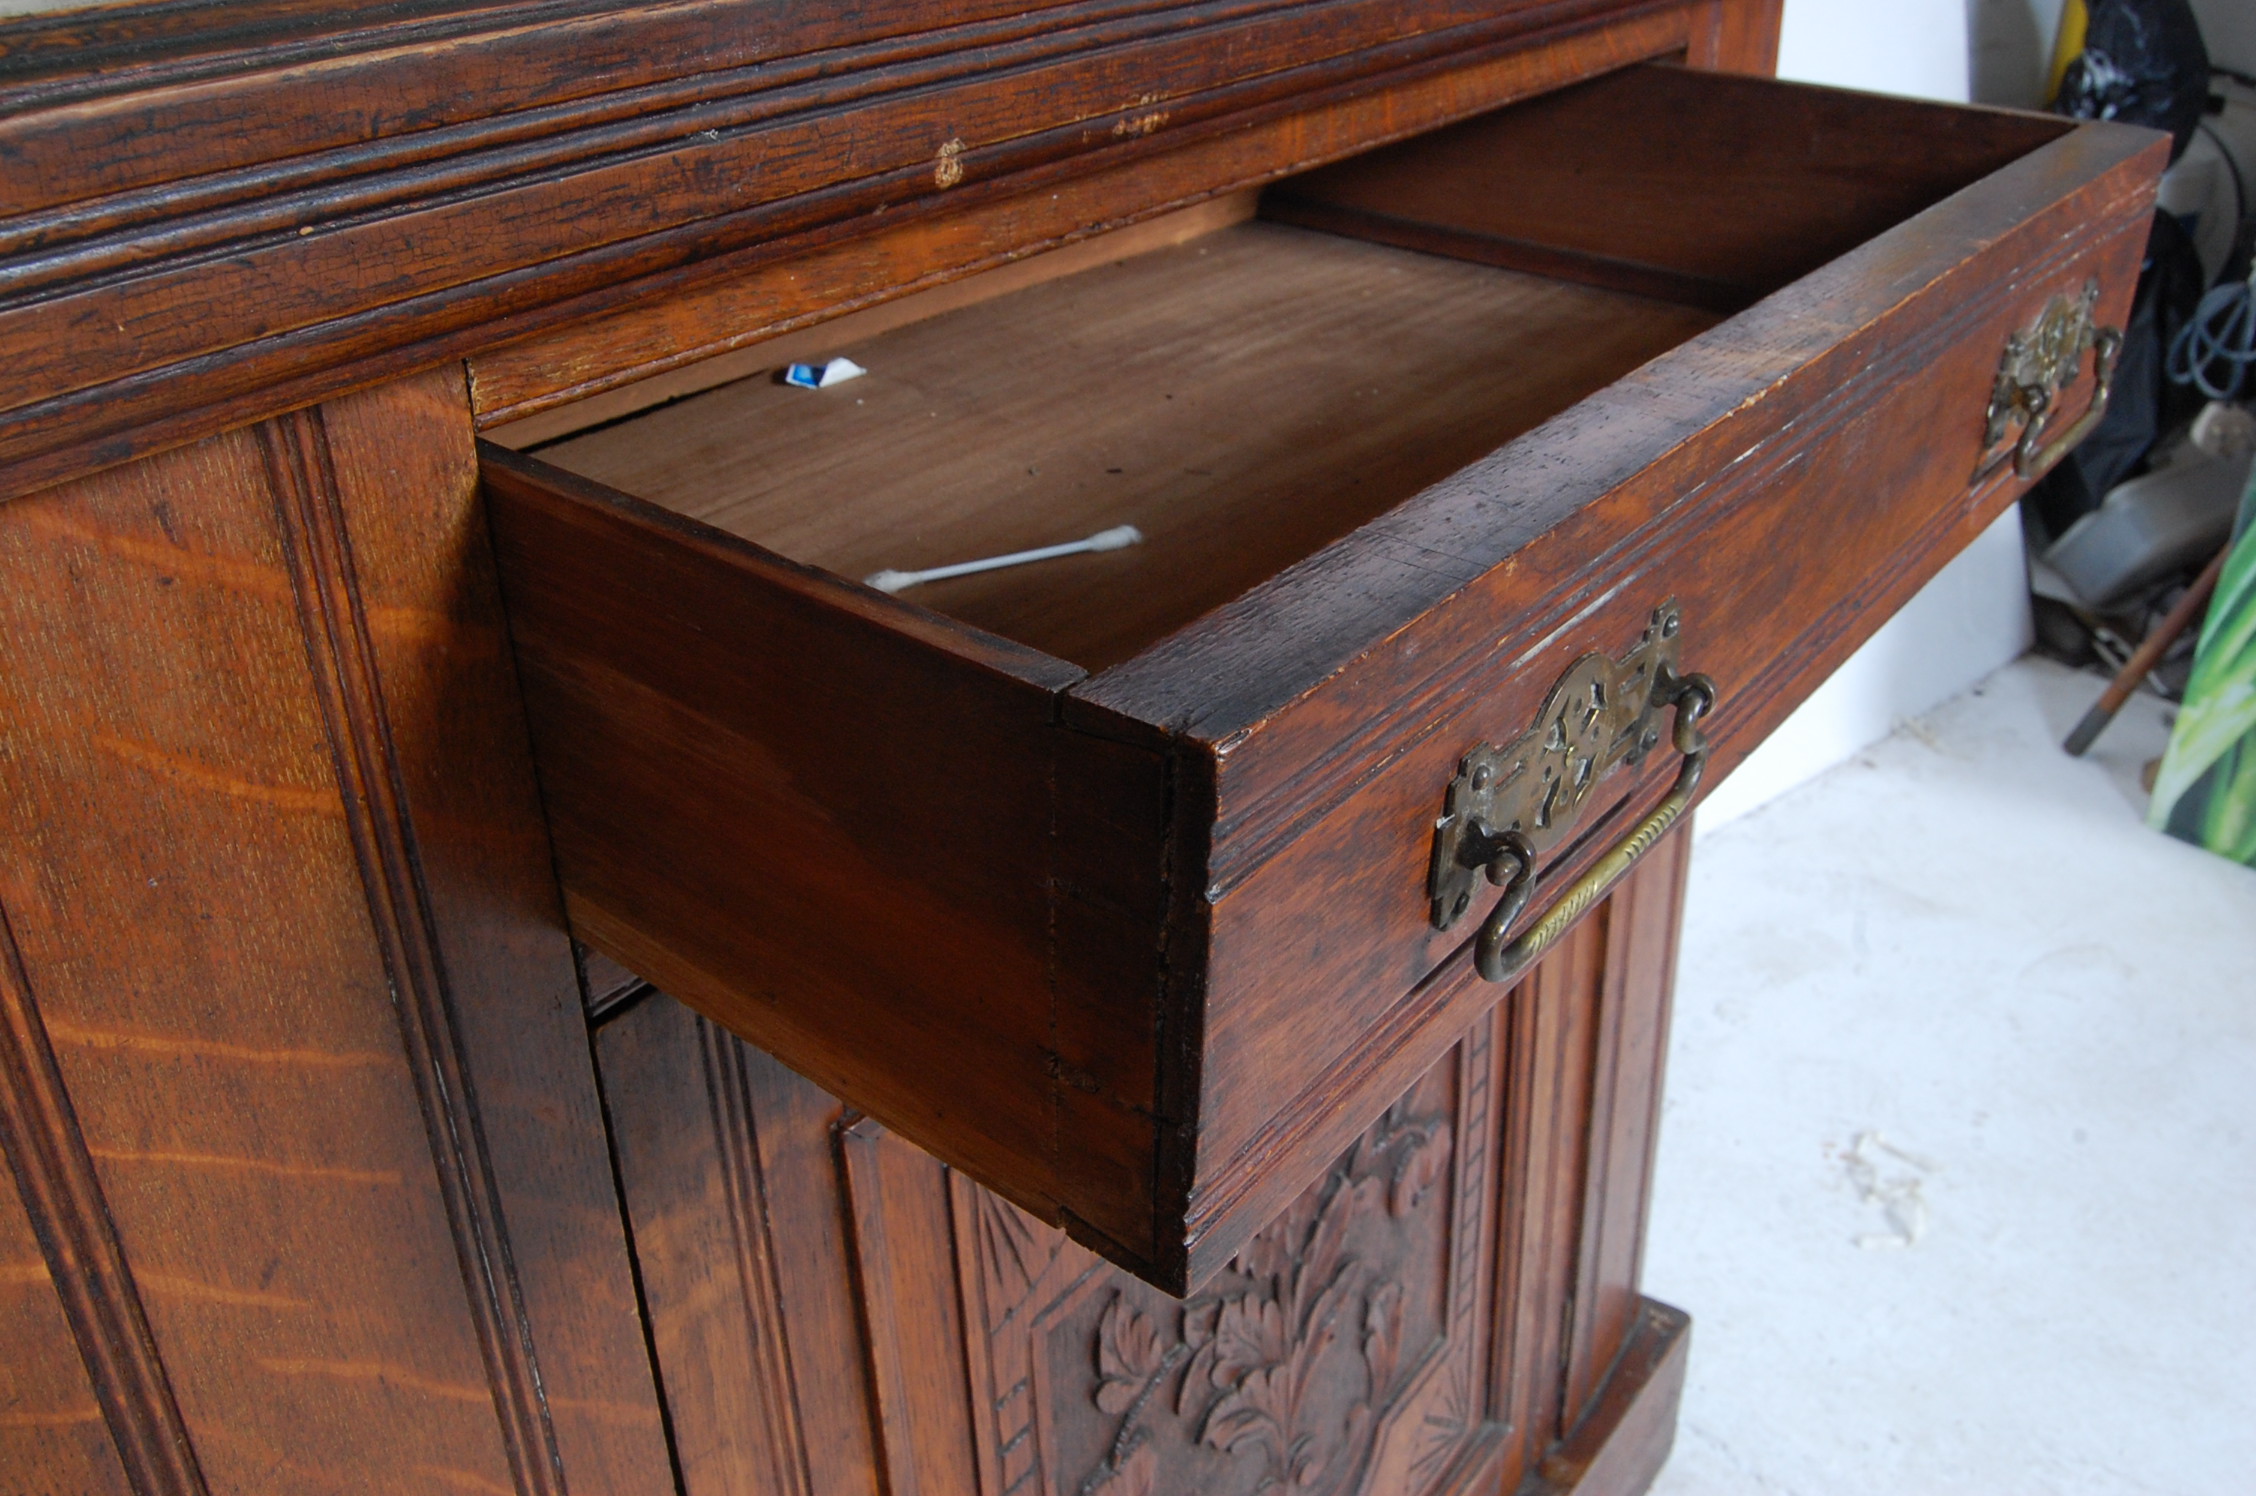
(1335, 1354)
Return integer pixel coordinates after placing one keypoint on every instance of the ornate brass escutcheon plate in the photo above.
(2040, 362)
(1601, 714)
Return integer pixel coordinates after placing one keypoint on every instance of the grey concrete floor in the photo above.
(1957, 1169)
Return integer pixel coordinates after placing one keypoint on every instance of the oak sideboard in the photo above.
(523, 969)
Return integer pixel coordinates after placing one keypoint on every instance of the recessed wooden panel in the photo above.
(504, 982)
(1631, 1051)
(236, 1067)
(54, 1437)
(323, 1119)
(904, 1257)
(740, 1231)
(1341, 1346)
(1350, 1343)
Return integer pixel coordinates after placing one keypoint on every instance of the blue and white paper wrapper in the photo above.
(822, 376)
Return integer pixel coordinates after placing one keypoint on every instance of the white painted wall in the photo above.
(1892, 46)
(1973, 617)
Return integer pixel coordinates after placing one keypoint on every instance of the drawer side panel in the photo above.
(826, 821)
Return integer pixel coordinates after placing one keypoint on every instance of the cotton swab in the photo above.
(1119, 537)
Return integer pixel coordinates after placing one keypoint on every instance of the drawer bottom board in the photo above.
(1243, 399)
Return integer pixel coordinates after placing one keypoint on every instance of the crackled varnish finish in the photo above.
(336, 1166)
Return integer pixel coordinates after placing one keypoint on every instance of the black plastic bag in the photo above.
(2143, 63)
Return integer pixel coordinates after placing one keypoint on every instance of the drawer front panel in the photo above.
(1786, 531)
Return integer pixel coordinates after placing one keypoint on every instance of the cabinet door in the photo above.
(1446, 1309)
(310, 1173)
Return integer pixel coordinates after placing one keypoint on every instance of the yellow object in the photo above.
(2068, 44)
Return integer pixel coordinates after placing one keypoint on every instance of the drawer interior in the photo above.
(1241, 399)
(1249, 396)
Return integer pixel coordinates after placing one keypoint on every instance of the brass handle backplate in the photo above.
(1509, 804)
(2040, 362)
(1693, 696)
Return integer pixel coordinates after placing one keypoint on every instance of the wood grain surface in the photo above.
(1242, 399)
(53, 1416)
(750, 296)
(1736, 36)
(1710, 191)
(331, 1131)
(55, 1434)
(622, 394)
(1620, 1447)
(845, 844)
(729, 1169)
(315, 1185)
(155, 306)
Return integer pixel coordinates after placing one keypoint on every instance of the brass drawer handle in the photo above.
(2040, 361)
(1510, 804)
(1693, 697)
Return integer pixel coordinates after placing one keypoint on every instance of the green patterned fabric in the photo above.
(2205, 791)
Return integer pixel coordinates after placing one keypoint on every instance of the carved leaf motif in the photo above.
(1422, 1163)
(1249, 1411)
(1326, 1251)
(1199, 1320)
(1267, 1349)
(1263, 1377)
(1382, 1336)
(1138, 1475)
(1129, 1355)
(1269, 1257)
(1322, 1327)
(1252, 1343)
(1317, 1462)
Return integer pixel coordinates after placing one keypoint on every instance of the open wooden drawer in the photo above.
(1110, 880)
